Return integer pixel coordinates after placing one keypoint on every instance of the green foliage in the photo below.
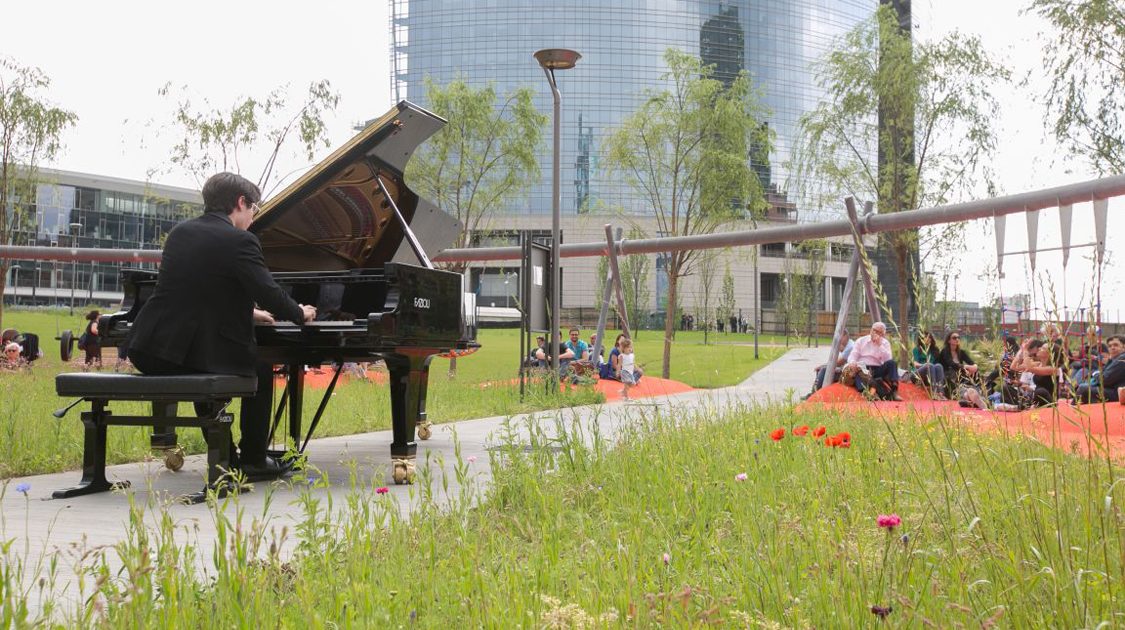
(670, 528)
(214, 139)
(484, 159)
(30, 132)
(727, 302)
(935, 110)
(1085, 58)
(684, 152)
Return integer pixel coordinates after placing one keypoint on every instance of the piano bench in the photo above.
(211, 394)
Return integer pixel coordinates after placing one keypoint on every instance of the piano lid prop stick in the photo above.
(407, 232)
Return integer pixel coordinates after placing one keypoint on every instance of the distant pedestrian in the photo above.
(93, 340)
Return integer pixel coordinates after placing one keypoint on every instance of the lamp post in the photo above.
(73, 266)
(551, 59)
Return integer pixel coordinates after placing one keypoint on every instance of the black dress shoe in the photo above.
(269, 468)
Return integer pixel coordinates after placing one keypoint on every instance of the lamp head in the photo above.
(557, 58)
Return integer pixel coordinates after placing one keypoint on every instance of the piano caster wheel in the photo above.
(425, 430)
(403, 471)
(174, 458)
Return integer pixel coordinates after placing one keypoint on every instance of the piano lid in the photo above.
(335, 216)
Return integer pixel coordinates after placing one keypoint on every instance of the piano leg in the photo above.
(409, 376)
(296, 386)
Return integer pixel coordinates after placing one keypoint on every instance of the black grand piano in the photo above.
(350, 238)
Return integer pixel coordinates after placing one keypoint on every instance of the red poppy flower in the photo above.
(819, 431)
(801, 431)
(777, 435)
(832, 440)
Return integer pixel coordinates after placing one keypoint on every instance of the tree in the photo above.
(1085, 58)
(685, 152)
(634, 270)
(935, 112)
(213, 140)
(30, 132)
(484, 159)
(727, 302)
(705, 291)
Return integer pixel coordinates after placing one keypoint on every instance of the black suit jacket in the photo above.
(201, 313)
(1113, 375)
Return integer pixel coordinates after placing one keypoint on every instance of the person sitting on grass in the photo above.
(1038, 362)
(627, 372)
(872, 353)
(1104, 385)
(927, 365)
(12, 361)
(960, 369)
(845, 349)
(608, 370)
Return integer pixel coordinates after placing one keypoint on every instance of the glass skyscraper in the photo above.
(622, 43)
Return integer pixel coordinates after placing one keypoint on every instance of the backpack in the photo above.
(83, 340)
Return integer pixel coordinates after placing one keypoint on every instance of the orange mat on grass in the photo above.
(648, 387)
(320, 379)
(1084, 429)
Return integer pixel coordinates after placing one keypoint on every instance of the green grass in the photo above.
(659, 532)
(32, 441)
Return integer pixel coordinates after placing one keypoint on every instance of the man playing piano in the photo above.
(201, 315)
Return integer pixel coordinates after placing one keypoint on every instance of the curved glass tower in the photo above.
(622, 43)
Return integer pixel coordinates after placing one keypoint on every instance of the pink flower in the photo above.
(382, 490)
(888, 521)
(740, 477)
(472, 458)
(667, 558)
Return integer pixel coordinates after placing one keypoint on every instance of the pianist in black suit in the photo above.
(200, 317)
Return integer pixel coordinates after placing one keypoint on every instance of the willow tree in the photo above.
(1085, 59)
(30, 132)
(686, 153)
(926, 110)
(272, 127)
(483, 159)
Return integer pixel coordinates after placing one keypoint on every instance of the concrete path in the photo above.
(72, 527)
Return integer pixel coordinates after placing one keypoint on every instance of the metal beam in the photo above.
(1081, 192)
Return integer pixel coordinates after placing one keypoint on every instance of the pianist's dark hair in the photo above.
(222, 190)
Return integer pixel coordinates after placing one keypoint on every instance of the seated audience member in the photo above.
(927, 365)
(1104, 385)
(1039, 373)
(1002, 373)
(872, 353)
(960, 369)
(12, 361)
(609, 369)
(577, 346)
(566, 355)
(600, 359)
(845, 350)
(533, 359)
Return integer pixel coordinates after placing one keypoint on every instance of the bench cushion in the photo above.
(142, 387)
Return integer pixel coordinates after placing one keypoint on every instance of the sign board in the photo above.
(535, 286)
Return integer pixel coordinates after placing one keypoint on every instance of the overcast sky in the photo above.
(107, 61)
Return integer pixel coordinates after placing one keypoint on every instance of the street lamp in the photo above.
(551, 59)
(73, 265)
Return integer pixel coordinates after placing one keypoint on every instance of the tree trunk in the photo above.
(3, 285)
(669, 324)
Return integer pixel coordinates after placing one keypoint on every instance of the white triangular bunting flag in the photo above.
(1101, 208)
(1032, 236)
(999, 222)
(1066, 213)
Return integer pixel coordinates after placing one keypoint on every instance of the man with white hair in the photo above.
(873, 354)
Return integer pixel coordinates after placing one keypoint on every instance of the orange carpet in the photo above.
(648, 387)
(1086, 429)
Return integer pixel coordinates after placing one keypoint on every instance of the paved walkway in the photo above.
(72, 526)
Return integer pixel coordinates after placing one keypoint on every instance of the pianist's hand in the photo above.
(262, 317)
(310, 312)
